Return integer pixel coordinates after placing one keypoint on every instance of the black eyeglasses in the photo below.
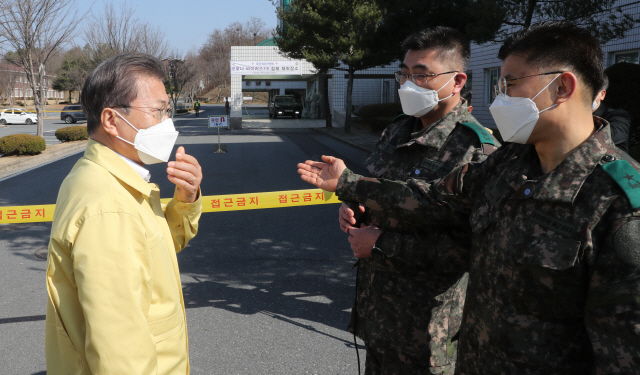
(162, 112)
(418, 79)
(502, 83)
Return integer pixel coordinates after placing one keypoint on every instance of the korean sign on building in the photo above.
(266, 68)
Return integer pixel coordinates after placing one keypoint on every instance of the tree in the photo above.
(493, 20)
(180, 72)
(35, 30)
(403, 18)
(216, 52)
(74, 70)
(111, 32)
(328, 32)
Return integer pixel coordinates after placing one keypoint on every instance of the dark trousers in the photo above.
(197, 112)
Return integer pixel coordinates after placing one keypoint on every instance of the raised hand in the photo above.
(186, 173)
(323, 175)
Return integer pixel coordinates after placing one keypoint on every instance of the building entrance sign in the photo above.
(265, 68)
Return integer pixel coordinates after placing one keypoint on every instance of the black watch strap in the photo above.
(376, 252)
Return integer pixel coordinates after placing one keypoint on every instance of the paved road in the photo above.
(50, 126)
(266, 291)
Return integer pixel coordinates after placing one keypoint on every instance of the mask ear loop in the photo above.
(125, 120)
(454, 76)
(544, 88)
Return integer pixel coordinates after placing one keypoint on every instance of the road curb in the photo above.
(13, 165)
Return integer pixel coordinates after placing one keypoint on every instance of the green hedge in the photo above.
(22, 144)
(72, 133)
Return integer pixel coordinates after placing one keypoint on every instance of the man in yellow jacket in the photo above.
(115, 302)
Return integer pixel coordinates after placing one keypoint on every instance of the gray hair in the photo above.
(114, 83)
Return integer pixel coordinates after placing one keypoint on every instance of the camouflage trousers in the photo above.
(380, 364)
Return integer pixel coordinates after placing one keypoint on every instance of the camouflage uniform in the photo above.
(554, 284)
(409, 307)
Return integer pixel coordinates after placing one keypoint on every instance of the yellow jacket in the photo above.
(115, 301)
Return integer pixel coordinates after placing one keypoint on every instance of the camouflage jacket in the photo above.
(423, 300)
(554, 284)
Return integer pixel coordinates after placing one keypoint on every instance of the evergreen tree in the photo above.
(329, 32)
(493, 20)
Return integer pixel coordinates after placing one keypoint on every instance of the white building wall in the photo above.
(259, 53)
(367, 86)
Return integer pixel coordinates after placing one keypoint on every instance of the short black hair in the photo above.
(453, 44)
(562, 45)
(114, 82)
(466, 94)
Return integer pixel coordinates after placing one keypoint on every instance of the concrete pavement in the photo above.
(256, 120)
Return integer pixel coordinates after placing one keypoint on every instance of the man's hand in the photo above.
(323, 175)
(186, 173)
(363, 239)
(346, 217)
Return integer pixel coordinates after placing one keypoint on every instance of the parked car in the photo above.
(72, 113)
(285, 105)
(17, 116)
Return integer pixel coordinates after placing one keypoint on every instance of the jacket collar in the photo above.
(437, 133)
(111, 161)
(564, 182)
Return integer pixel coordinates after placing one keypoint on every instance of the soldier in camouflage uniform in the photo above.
(554, 284)
(408, 308)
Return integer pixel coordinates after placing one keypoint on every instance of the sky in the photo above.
(187, 23)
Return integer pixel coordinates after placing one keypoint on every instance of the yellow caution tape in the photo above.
(211, 203)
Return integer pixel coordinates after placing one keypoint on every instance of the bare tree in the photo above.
(35, 30)
(180, 73)
(115, 31)
(216, 52)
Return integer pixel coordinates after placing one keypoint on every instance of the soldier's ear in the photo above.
(459, 81)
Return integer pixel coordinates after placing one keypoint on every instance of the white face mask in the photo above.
(418, 101)
(594, 105)
(516, 117)
(154, 144)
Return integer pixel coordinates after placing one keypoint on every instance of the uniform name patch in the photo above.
(435, 166)
(551, 223)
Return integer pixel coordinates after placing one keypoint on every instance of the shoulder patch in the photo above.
(627, 178)
(483, 134)
(627, 243)
(400, 117)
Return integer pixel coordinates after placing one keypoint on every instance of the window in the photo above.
(258, 83)
(267, 83)
(629, 56)
(492, 76)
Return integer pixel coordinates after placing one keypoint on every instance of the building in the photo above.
(14, 84)
(377, 85)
